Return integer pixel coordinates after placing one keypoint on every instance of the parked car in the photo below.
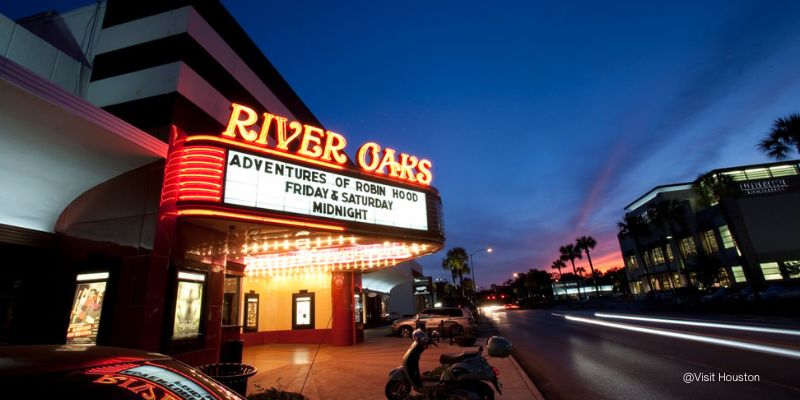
(741, 295)
(778, 292)
(718, 294)
(431, 318)
(511, 306)
(96, 372)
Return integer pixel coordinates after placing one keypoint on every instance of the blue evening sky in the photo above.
(542, 119)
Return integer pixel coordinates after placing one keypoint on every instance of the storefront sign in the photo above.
(317, 144)
(260, 182)
(764, 187)
(422, 286)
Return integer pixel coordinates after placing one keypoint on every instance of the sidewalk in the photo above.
(360, 371)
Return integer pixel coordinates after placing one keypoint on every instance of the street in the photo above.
(586, 357)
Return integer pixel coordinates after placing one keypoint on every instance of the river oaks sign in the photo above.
(264, 183)
(307, 141)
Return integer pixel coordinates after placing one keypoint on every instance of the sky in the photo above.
(543, 120)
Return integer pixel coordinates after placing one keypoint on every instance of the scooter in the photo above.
(462, 379)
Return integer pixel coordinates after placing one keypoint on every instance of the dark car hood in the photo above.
(43, 359)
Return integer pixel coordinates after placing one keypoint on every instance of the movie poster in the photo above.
(187, 310)
(84, 319)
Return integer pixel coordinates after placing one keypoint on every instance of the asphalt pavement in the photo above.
(574, 354)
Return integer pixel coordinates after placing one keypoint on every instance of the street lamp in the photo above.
(474, 282)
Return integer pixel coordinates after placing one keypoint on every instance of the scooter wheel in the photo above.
(397, 390)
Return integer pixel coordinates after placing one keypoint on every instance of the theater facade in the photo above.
(172, 193)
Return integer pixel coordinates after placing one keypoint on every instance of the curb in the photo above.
(537, 395)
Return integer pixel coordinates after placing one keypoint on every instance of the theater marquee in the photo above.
(259, 182)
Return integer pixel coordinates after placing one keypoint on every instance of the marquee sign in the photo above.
(259, 182)
(313, 143)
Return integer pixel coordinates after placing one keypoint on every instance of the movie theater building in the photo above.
(743, 220)
(166, 189)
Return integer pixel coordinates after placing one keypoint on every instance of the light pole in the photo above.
(474, 282)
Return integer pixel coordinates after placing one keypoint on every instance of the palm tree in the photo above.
(570, 252)
(558, 264)
(783, 138)
(587, 243)
(636, 227)
(456, 262)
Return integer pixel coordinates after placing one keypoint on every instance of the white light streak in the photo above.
(691, 337)
(748, 328)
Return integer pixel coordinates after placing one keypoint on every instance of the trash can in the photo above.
(232, 375)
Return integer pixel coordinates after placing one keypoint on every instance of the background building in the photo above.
(731, 225)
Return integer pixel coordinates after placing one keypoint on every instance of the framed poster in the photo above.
(87, 306)
(251, 312)
(303, 310)
(188, 305)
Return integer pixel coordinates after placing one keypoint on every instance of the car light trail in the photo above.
(701, 324)
(692, 337)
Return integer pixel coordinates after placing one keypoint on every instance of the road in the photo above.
(579, 359)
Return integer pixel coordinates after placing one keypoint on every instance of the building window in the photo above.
(648, 262)
(632, 263)
(792, 269)
(303, 310)
(230, 300)
(757, 173)
(783, 170)
(710, 242)
(669, 253)
(727, 238)
(688, 247)
(738, 274)
(771, 271)
(736, 175)
(658, 256)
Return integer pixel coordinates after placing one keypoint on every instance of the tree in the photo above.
(618, 278)
(456, 261)
(635, 226)
(558, 264)
(712, 187)
(570, 252)
(783, 138)
(664, 214)
(469, 287)
(587, 243)
(708, 269)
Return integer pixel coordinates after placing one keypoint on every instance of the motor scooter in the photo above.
(463, 377)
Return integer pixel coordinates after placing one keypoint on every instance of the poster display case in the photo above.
(87, 307)
(251, 312)
(188, 305)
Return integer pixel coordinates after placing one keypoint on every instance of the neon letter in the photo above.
(424, 176)
(283, 141)
(236, 124)
(334, 144)
(309, 137)
(390, 161)
(407, 165)
(372, 149)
